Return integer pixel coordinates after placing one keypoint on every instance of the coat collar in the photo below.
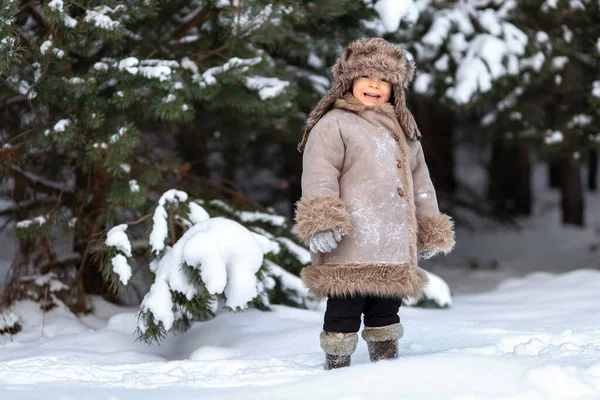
(377, 114)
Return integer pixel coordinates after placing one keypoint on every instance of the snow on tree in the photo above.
(92, 93)
(211, 258)
(528, 67)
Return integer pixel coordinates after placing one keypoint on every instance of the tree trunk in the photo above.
(91, 224)
(593, 170)
(437, 126)
(572, 200)
(554, 174)
(510, 177)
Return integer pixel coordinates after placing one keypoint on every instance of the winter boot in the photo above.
(338, 348)
(382, 342)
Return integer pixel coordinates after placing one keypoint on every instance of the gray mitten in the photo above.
(427, 254)
(325, 241)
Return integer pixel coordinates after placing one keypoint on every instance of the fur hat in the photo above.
(376, 57)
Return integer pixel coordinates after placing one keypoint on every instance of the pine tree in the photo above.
(514, 64)
(92, 94)
(110, 104)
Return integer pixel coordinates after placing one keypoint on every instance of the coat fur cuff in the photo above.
(436, 234)
(319, 213)
(384, 333)
(338, 346)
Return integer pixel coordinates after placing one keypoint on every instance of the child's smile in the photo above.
(371, 90)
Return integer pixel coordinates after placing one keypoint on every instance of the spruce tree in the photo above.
(108, 105)
(92, 94)
(526, 68)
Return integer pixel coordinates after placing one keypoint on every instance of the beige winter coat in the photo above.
(362, 176)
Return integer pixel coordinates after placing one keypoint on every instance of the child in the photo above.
(368, 207)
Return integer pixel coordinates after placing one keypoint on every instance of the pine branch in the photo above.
(196, 19)
(29, 180)
(27, 206)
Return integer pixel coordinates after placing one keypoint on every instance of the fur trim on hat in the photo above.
(374, 57)
(435, 233)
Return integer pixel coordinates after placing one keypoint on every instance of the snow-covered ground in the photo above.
(512, 333)
(532, 338)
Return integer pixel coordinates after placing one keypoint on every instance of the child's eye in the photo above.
(385, 80)
(365, 76)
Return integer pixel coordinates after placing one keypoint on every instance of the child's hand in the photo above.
(325, 241)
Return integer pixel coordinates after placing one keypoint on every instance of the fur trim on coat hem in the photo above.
(436, 233)
(383, 280)
(319, 213)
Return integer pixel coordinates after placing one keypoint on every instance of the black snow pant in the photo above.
(343, 314)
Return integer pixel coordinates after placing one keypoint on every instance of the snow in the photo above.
(442, 63)
(580, 120)
(253, 216)
(49, 279)
(197, 213)
(118, 239)
(392, 12)
(318, 63)
(100, 66)
(58, 52)
(436, 289)
(529, 342)
(113, 138)
(598, 45)
(61, 125)
(559, 62)
(536, 61)
(98, 17)
(162, 73)
(300, 252)
(567, 34)
(26, 223)
(596, 89)
(227, 256)
(208, 76)
(160, 228)
(483, 62)
(554, 137)
(46, 45)
(121, 268)
(129, 64)
(125, 167)
(69, 21)
(548, 4)
(291, 282)
(422, 82)
(268, 88)
(56, 5)
(22, 86)
(170, 98)
(133, 186)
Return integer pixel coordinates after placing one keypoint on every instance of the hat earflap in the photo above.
(405, 117)
(323, 106)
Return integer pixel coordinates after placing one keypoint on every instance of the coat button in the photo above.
(400, 192)
(399, 163)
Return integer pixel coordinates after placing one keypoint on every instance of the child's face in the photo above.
(371, 90)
